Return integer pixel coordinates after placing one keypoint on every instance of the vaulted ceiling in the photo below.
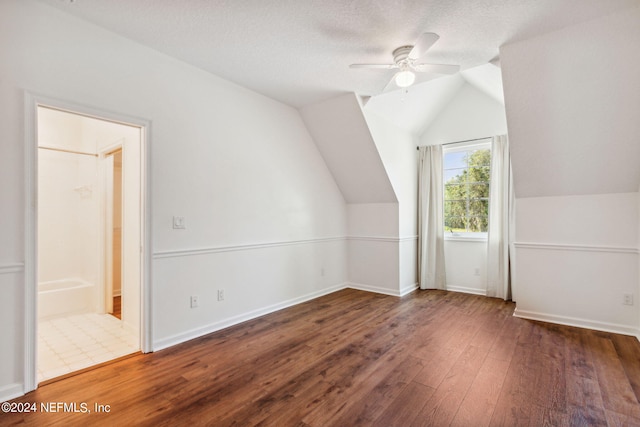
(415, 108)
(299, 52)
(568, 67)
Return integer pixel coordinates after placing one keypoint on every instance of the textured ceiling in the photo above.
(414, 108)
(299, 51)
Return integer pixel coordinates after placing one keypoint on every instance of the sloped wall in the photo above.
(469, 114)
(397, 148)
(343, 136)
(341, 133)
(573, 103)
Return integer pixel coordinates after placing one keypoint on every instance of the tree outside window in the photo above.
(466, 190)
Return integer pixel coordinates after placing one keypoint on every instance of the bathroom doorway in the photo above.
(89, 239)
(112, 165)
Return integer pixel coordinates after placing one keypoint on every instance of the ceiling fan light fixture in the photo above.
(405, 78)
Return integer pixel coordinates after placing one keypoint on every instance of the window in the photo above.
(466, 190)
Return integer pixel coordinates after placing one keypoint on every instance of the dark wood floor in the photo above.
(432, 358)
(117, 307)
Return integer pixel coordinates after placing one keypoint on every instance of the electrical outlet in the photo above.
(322, 272)
(220, 294)
(627, 299)
(178, 223)
(194, 301)
(477, 272)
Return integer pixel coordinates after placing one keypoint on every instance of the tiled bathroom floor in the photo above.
(71, 343)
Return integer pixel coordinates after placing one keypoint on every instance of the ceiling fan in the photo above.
(404, 59)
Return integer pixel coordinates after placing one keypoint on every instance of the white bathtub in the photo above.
(62, 297)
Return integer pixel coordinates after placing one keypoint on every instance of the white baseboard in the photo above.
(222, 324)
(474, 291)
(225, 323)
(377, 289)
(11, 391)
(580, 323)
(408, 289)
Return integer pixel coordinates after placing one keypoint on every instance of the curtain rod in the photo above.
(460, 142)
(69, 151)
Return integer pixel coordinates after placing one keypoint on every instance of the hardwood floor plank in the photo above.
(117, 307)
(480, 401)
(373, 404)
(554, 418)
(360, 359)
(336, 406)
(578, 359)
(486, 336)
(549, 388)
(406, 407)
(514, 406)
(356, 358)
(505, 344)
(586, 416)
(615, 419)
(438, 364)
(628, 350)
(584, 393)
(441, 408)
(616, 390)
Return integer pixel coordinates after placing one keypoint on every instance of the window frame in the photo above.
(457, 148)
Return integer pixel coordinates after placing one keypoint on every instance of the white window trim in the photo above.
(464, 146)
(465, 237)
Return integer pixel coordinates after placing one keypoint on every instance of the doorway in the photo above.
(113, 231)
(89, 217)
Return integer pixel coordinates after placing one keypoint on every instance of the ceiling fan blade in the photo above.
(425, 41)
(375, 66)
(437, 68)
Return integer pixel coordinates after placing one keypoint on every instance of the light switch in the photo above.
(178, 223)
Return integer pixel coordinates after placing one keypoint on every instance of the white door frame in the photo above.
(105, 168)
(32, 102)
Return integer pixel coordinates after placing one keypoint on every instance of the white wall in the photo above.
(576, 258)
(397, 148)
(265, 220)
(68, 204)
(599, 220)
(466, 265)
(342, 135)
(64, 250)
(132, 197)
(573, 104)
(470, 114)
(117, 225)
(105, 136)
(345, 138)
(373, 247)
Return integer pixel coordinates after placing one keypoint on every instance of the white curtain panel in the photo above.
(501, 203)
(431, 272)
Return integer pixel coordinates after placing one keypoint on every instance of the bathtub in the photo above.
(62, 297)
